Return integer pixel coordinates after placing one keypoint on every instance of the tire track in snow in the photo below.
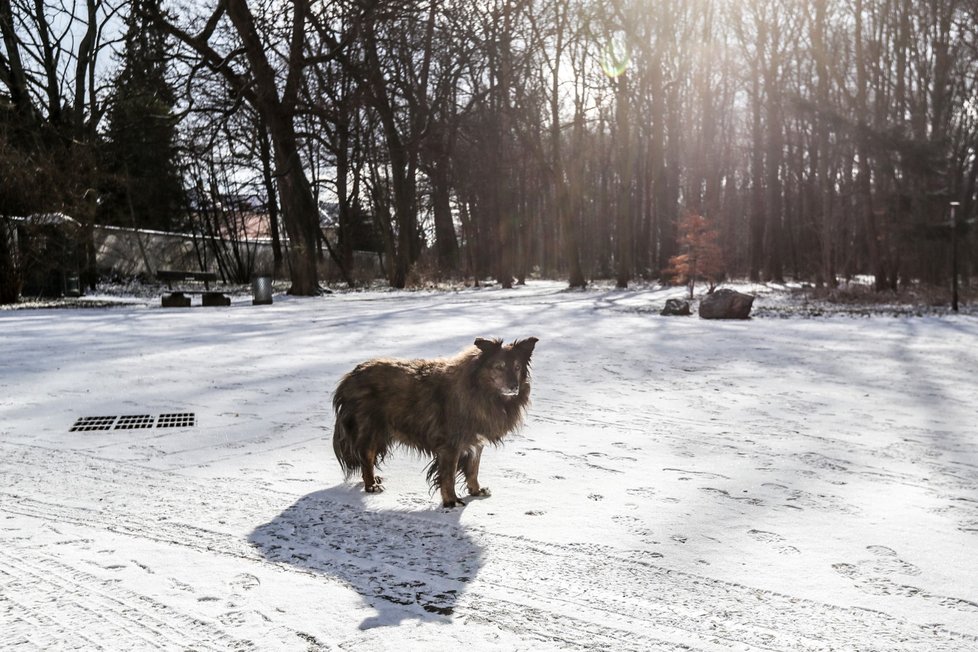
(548, 592)
(90, 611)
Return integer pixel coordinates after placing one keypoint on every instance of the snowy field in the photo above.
(680, 484)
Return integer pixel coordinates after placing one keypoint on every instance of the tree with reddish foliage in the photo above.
(701, 258)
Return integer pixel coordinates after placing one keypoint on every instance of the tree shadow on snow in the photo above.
(405, 566)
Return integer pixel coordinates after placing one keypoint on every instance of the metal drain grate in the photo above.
(93, 423)
(177, 420)
(135, 422)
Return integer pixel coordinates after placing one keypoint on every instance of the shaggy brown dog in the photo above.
(448, 408)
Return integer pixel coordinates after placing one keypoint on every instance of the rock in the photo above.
(676, 307)
(726, 304)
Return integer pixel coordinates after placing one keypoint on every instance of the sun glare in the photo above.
(615, 58)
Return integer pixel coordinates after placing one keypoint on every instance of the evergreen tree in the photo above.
(143, 185)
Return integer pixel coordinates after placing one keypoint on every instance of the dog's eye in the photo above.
(499, 366)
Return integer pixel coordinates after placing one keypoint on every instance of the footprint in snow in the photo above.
(645, 492)
(518, 476)
(245, 617)
(887, 562)
(882, 551)
(876, 575)
(775, 540)
(413, 501)
(244, 582)
(766, 537)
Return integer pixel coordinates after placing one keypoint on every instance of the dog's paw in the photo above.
(375, 488)
(484, 491)
(451, 504)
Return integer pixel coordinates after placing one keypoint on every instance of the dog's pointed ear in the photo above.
(488, 346)
(525, 347)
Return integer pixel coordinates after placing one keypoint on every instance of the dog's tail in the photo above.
(344, 435)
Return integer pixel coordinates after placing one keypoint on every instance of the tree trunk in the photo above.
(565, 209)
(446, 243)
(822, 163)
(773, 239)
(298, 203)
(623, 222)
(664, 226)
(265, 152)
(757, 212)
(774, 154)
(864, 199)
(403, 183)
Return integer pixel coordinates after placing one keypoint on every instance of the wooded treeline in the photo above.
(822, 139)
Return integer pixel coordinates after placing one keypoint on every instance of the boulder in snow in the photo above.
(677, 307)
(726, 304)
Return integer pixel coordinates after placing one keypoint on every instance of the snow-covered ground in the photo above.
(680, 484)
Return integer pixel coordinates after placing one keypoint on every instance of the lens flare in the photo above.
(614, 56)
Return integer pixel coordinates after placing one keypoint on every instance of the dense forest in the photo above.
(815, 140)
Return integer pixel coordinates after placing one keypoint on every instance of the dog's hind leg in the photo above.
(371, 483)
(470, 467)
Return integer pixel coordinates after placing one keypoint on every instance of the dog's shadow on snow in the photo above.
(405, 565)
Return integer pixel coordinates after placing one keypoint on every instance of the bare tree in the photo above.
(271, 86)
(50, 70)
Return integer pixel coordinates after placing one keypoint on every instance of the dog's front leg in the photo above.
(470, 467)
(447, 464)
